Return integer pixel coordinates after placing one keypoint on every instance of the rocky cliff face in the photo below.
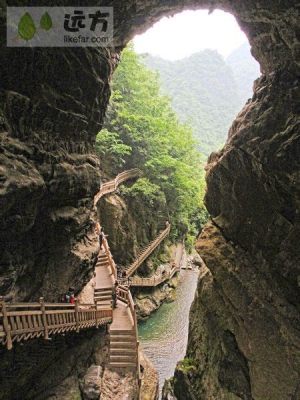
(245, 321)
(48, 370)
(130, 225)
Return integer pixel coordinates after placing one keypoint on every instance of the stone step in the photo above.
(128, 352)
(103, 300)
(102, 259)
(124, 359)
(102, 297)
(122, 365)
(106, 299)
(122, 338)
(123, 345)
(104, 291)
(104, 306)
(102, 264)
(117, 332)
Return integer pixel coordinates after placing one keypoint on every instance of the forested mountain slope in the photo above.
(142, 130)
(207, 91)
(245, 70)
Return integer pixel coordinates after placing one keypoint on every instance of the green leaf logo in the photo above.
(46, 22)
(26, 27)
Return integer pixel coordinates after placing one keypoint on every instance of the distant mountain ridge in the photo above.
(207, 91)
(245, 70)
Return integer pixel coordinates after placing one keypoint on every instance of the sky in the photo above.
(186, 33)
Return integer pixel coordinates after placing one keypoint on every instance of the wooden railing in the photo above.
(153, 280)
(24, 321)
(124, 295)
(145, 253)
(156, 279)
(110, 257)
(111, 186)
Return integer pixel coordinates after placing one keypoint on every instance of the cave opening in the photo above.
(208, 84)
(173, 42)
(247, 309)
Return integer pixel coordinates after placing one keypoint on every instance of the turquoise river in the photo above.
(164, 335)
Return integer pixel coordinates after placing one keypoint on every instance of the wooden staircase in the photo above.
(157, 279)
(123, 333)
(103, 297)
(123, 343)
(145, 252)
(123, 336)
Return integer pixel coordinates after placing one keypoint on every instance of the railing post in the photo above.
(96, 317)
(138, 362)
(44, 318)
(6, 325)
(77, 314)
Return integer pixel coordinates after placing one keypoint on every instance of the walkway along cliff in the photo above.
(26, 321)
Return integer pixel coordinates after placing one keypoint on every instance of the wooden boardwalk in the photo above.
(123, 336)
(111, 186)
(23, 321)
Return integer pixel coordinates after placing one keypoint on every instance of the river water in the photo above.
(164, 335)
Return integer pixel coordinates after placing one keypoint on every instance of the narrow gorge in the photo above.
(244, 323)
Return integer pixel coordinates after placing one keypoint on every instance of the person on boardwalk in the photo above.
(70, 296)
(114, 294)
(101, 237)
(100, 233)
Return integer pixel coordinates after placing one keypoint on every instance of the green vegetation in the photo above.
(142, 130)
(207, 91)
(186, 365)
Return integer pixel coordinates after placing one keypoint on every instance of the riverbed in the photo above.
(164, 335)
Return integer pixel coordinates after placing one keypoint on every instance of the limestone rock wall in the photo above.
(245, 320)
(52, 104)
(130, 225)
(48, 370)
